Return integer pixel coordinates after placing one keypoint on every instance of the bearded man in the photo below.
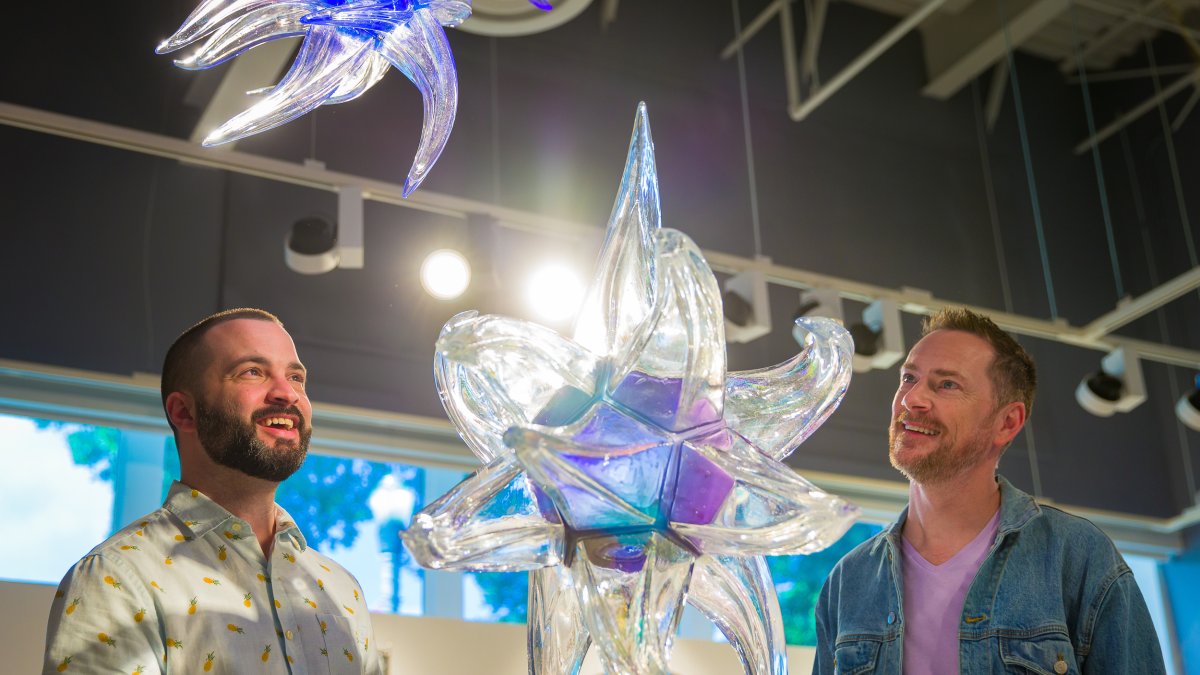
(975, 576)
(220, 579)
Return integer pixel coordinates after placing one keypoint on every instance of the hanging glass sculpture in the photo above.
(624, 467)
(347, 48)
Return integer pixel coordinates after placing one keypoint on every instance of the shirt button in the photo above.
(288, 634)
(237, 527)
(891, 618)
(1060, 666)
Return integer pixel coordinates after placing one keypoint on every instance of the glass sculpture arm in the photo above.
(778, 408)
(477, 526)
(557, 638)
(494, 373)
(738, 596)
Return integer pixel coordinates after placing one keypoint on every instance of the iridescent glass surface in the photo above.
(650, 476)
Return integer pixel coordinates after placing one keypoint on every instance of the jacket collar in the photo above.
(1016, 510)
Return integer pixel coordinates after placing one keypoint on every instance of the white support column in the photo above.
(137, 476)
(443, 590)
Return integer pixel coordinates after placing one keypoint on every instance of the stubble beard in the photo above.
(234, 443)
(948, 460)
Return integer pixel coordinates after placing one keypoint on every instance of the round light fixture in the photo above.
(445, 274)
(554, 292)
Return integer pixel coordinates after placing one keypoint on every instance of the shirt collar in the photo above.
(201, 515)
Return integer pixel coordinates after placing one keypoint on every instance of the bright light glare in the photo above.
(554, 292)
(445, 274)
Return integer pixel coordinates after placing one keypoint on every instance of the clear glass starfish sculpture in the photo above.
(625, 467)
(348, 46)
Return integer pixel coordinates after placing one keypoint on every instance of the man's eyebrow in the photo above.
(946, 373)
(264, 361)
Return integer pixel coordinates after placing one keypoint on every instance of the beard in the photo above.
(234, 443)
(949, 459)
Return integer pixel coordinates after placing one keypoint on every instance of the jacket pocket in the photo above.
(856, 656)
(1046, 655)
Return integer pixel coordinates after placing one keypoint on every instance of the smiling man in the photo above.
(975, 576)
(220, 579)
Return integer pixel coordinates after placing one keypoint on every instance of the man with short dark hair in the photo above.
(975, 576)
(220, 579)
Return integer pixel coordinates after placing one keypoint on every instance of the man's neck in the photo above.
(944, 517)
(251, 499)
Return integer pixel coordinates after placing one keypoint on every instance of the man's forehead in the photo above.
(249, 339)
(951, 350)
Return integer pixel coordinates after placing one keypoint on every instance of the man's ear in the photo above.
(1011, 419)
(181, 410)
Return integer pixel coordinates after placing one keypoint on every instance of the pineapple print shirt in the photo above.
(187, 590)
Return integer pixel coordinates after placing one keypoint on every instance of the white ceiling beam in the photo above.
(959, 47)
(906, 25)
(913, 301)
(1146, 106)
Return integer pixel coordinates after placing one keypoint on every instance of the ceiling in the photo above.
(121, 232)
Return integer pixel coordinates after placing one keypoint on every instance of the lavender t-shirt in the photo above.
(933, 603)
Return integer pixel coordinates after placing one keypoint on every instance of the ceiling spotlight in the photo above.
(1117, 387)
(311, 246)
(1188, 408)
(554, 292)
(878, 338)
(746, 308)
(316, 246)
(445, 274)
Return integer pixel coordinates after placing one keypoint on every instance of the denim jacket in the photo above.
(1052, 596)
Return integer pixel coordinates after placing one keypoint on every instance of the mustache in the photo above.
(276, 411)
(906, 417)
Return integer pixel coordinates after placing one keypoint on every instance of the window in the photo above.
(56, 495)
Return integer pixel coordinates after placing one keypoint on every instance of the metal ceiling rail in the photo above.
(910, 300)
(1142, 108)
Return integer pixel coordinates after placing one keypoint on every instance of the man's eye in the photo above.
(949, 384)
(907, 378)
(252, 372)
(298, 379)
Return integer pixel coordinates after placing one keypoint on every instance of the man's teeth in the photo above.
(919, 429)
(278, 422)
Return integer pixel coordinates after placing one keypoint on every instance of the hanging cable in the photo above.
(1091, 122)
(737, 31)
(1184, 447)
(1170, 143)
(1033, 195)
(494, 76)
(990, 192)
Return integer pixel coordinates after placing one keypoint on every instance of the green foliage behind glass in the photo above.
(798, 581)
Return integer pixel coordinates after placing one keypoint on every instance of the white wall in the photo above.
(418, 646)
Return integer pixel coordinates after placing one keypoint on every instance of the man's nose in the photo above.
(282, 391)
(916, 398)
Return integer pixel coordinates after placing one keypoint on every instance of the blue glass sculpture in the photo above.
(348, 46)
(625, 467)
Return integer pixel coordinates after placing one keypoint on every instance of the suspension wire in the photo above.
(1161, 314)
(741, 62)
(990, 191)
(494, 76)
(994, 215)
(1170, 143)
(1033, 194)
(1091, 121)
